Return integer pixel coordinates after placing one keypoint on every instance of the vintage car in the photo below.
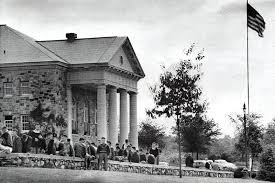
(223, 165)
(201, 163)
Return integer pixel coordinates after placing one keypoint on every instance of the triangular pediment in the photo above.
(126, 59)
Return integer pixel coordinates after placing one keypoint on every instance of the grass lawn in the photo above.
(40, 175)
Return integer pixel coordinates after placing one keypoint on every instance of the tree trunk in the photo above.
(197, 155)
(252, 160)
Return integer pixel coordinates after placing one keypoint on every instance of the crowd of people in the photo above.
(35, 142)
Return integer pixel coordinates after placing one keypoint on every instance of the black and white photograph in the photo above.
(119, 91)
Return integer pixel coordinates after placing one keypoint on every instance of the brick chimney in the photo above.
(71, 37)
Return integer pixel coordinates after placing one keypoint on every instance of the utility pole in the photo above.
(179, 141)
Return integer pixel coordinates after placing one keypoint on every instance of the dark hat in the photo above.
(102, 137)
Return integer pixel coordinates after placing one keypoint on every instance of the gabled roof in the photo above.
(16, 47)
(87, 50)
(93, 50)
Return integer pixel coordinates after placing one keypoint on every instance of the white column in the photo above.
(123, 117)
(133, 136)
(69, 110)
(101, 112)
(113, 126)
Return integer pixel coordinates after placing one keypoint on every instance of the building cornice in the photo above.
(71, 67)
(33, 64)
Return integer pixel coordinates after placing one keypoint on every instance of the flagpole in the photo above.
(247, 61)
(256, 22)
(247, 72)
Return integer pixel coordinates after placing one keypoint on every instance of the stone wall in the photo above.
(51, 161)
(46, 84)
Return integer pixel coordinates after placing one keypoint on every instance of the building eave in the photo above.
(29, 64)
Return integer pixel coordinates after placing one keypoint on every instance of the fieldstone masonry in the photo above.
(51, 161)
(46, 85)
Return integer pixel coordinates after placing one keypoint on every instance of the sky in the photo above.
(159, 31)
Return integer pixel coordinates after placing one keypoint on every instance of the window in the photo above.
(9, 122)
(25, 122)
(85, 114)
(95, 120)
(8, 89)
(74, 122)
(86, 120)
(25, 88)
(121, 60)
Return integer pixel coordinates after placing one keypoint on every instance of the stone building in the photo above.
(91, 82)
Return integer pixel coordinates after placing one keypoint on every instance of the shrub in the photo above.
(267, 168)
(241, 172)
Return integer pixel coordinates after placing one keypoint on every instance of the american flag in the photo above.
(255, 21)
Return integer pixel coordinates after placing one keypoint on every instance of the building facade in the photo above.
(90, 82)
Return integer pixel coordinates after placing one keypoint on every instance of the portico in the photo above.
(115, 90)
(116, 120)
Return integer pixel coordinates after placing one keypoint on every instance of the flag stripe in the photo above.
(255, 24)
(255, 28)
(260, 23)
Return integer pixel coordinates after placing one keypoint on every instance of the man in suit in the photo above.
(103, 152)
(7, 140)
(111, 156)
(26, 143)
(17, 142)
(4, 149)
(80, 148)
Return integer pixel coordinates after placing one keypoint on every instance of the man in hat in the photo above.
(4, 149)
(80, 148)
(103, 152)
(7, 140)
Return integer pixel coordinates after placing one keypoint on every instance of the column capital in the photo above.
(132, 93)
(121, 90)
(112, 87)
(101, 85)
